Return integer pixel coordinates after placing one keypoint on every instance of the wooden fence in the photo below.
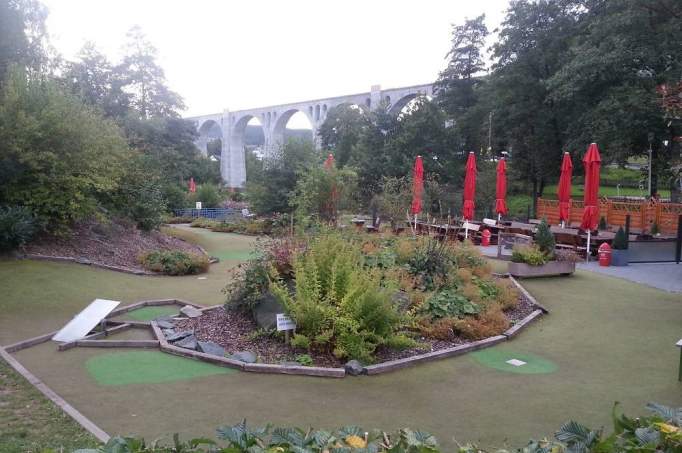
(642, 214)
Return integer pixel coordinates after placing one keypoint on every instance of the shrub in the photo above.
(203, 222)
(486, 324)
(545, 239)
(449, 304)
(299, 341)
(17, 227)
(304, 360)
(620, 241)
(336, 302)
(174, 262)
(208, 194)
(529, 254)
(250, 281)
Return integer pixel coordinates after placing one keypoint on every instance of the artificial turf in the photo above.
(149, 313)
(147, 367)
(610, 340)
(498, 358)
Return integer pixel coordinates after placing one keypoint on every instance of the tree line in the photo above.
(90, 137)
(560, 75)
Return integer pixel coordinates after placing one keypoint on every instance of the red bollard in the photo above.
(605, 254)
(485, 237)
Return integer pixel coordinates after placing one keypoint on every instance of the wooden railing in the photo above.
(642, 214)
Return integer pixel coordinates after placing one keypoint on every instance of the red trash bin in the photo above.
(485, 237)
(604, 254)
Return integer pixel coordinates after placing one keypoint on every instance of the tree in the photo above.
(58, 157)
(534, 43)
(341, 131)
(93, 78)
(458, 85)
(145, 80)
(270, 182)
(22, 36)
(625, 49)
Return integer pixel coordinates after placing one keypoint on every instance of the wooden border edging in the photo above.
(86, 423)
(393, 365)
(74, 343)
(528, 295)
(516, 328)
(87, 262)
(299, 370)
(30, 342)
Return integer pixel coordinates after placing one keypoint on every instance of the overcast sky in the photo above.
(221, 54)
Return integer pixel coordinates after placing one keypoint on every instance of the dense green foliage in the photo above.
(17, 227)
(564, 74)
(174, 262)
(270, 181)
(337, 305)
(94, 139)
(59, 158)
(659, 432)
(529, 254)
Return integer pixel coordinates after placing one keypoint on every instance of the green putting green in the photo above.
(498, 358)
(149, 313)
(147, 367)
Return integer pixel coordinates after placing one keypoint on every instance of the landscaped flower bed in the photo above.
(353, 296)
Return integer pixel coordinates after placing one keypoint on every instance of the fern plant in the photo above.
(338, 305)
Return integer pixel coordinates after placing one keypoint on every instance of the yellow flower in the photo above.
(356, 441)
(666, 428)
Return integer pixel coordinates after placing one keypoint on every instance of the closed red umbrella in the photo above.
(501, 189)
(592, 163)
(469, 187)
(564, 192)
(192, 185)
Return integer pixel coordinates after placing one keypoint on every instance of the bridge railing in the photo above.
(209, 213)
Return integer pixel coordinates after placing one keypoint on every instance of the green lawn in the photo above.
(605, 340)
(31, 423)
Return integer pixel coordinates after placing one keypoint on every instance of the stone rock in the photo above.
(400, 300)
(179, 335)
(168, 332)
(244, 356)
(354, 368)
(265, 311)
(82, 260)
(210, 347)
(164, 323)
(190, 312)
(189, 342)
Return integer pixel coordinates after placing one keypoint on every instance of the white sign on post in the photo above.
(284, 322)
(198, 204)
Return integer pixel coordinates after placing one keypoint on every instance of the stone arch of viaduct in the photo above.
(230, 126)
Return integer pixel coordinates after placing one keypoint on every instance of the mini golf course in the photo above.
(604, 340)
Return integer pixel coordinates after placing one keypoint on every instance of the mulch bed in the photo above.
(235, 331)
(115, 244)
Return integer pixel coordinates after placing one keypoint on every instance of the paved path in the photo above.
(665, 276)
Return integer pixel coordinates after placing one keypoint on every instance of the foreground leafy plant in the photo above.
(658, 433)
